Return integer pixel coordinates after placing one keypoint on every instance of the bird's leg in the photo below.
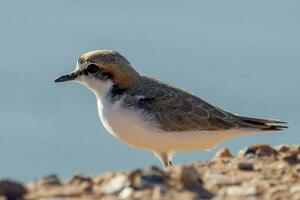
(165, 158)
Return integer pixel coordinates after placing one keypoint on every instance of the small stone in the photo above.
(223, 153)
(241, 191)
(261, 150)
(245, 166)
(126, 193)
(297, 170)
(219, 179)
(292, 159)
(140, 179)
(134, 178)
(282, 148)
(295, 188)
(142, 194)
(47, 181)
(157, 192)
(77, 179)
(296, 148)
(98, 180)
(277, 192)
(11, 189)
(189, 176)
(81, 182)
(116, 184)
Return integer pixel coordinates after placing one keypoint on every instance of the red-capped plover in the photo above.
(146, 113)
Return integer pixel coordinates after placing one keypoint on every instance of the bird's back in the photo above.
(178, 110)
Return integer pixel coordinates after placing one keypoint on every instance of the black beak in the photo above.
(68, 77)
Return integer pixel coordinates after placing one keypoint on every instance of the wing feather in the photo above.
(178, 110)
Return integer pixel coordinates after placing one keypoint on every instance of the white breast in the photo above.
(134, 128)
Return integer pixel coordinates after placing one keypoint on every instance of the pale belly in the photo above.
(133, 129)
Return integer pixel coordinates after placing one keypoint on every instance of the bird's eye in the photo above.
(92, 69)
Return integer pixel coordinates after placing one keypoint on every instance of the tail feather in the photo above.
(262, 124)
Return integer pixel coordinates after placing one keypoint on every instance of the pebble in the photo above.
(245, 166)
(292, 159)
(126, 193)
(79, 179)
(242, 191)
(99, 179)
(46, 181)
(141, 179)
(11, 189)
(223, 153)
(282, 148)
(219, 179)
(277, 192)
(157, 192)
(114, 185)
(295, 188)
(189, 175)
(261, 150)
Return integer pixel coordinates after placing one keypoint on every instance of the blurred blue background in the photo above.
(240, 55)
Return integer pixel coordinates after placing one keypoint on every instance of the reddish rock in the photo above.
(223, 153)
(283, 148)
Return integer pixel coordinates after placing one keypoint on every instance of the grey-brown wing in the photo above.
(177, 110)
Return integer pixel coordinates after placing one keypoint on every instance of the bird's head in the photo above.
(100, 68)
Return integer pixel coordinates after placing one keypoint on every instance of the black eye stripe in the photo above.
(107, 75)
(95, 70)
(92, 69)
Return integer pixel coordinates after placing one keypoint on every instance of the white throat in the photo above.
(98, 87)
(101, 90)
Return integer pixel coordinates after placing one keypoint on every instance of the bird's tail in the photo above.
(262, 124)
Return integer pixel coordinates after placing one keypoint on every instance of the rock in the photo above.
(126, 193)
(77, 179)
(134, 178)
(141, 179)
(292, 159)
(295, 188)
(219, 179)
(12, 190)
(278, 192)
(245, 166)
(158, 192)
(242, 191)
(142, 194)
(186, 178)
(116, 184)
(98, 180)
(223, 153)
(283, 148)
(189, 176)
(80, 182)
(46, 181)
(261, 150)
(151, 179)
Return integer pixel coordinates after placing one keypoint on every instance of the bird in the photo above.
(147, 113)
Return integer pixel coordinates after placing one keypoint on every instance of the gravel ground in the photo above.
(258, 172)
